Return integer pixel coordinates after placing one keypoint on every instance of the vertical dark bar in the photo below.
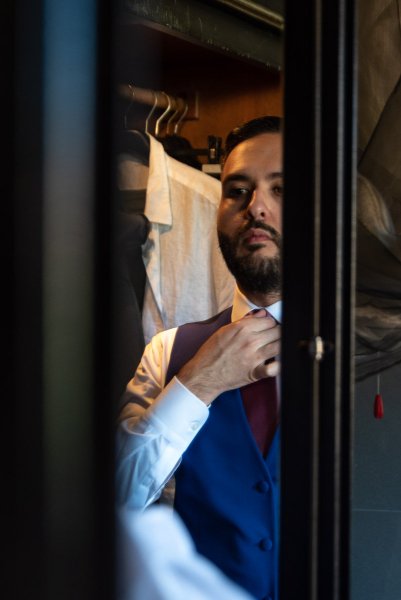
(22, 215)
(77, 284)
(300, 374)
(103, 402)
(318, 291)
(71, 504)
(338, 176)
(57, 285)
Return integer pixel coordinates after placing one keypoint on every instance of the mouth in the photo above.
(256, 236)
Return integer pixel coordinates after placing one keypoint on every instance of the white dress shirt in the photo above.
(157, 560)
(158, 423)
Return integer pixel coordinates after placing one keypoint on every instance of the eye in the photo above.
(278, 190)
(238, 192)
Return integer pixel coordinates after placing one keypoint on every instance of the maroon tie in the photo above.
(261, 407)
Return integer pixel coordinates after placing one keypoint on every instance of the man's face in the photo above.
(249, 217)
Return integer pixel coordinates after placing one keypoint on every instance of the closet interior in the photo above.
(186, 73)
(221, 86)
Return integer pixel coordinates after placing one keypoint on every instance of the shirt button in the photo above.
(194, 425)
(263, 486)
(266, 544)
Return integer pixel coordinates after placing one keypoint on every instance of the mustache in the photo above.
(255, 224)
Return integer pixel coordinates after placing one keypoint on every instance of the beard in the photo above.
(253, 273)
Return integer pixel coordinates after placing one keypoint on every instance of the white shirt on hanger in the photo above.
(187, 278)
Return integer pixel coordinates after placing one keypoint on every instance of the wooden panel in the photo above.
(229, 89)
(225, 101)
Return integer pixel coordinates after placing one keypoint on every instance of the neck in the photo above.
(262, 299)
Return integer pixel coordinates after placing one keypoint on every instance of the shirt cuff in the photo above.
(178, 411)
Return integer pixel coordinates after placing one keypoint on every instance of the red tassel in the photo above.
(378, 408)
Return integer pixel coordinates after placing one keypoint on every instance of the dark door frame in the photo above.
(319, 259)
(319, 236)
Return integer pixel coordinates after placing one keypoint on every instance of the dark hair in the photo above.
(250, 129)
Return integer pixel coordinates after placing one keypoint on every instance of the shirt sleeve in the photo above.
(157, 424)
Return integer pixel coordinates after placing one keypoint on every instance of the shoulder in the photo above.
(157, 353)
(149, 378)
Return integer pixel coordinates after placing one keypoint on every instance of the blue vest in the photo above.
(227, 493)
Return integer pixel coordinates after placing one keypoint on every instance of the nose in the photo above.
(258, 206)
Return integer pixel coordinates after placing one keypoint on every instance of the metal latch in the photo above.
(316, 347)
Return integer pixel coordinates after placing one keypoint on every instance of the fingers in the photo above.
(265, 335)
(271, 346)
(233, 356)
(268, 364)
(257, 321)
(269, 342)
(258, 313)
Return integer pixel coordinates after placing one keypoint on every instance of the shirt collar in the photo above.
(241, 306)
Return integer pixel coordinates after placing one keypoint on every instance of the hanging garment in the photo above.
(131, 229)
(187, 278)
(379, 61)
(132, 179)
(129, 283)
(378, 296)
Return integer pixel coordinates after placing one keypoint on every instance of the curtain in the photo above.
(378, 294)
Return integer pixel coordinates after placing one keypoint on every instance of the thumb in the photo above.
(271, 369)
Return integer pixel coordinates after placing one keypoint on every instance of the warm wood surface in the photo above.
(229, 89)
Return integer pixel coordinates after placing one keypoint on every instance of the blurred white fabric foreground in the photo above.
(157, 560)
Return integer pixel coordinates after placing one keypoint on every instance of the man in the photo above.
(190, 407)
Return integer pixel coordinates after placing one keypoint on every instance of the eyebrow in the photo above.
(245, 177)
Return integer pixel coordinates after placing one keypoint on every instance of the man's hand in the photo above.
(234, 356)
